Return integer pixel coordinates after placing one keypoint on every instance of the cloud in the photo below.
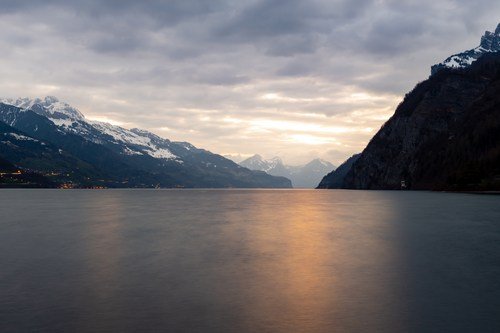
(210, 72)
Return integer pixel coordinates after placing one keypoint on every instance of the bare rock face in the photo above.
(445, 135)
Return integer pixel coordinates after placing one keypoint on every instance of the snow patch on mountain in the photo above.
(21, 137)
(137, 141)
(490, 42)
(120, 134)
(63, 122)
(69, 119)
(161, 153)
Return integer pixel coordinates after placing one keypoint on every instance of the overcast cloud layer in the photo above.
(298, 79)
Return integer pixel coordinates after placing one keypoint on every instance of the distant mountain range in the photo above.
(53, 140)
(304, 176)
(445, 134)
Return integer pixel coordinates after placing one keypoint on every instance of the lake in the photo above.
(248, 261)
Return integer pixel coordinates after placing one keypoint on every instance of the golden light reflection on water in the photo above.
(249, 261)
(105, 246)
(305, 267)
(245, 261)
(306, 273)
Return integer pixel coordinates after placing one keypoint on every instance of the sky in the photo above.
(299, 79)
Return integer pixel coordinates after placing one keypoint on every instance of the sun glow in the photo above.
(310, 139)
(285, 126)
(280, 98)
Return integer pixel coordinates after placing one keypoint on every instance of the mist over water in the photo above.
(248, 261)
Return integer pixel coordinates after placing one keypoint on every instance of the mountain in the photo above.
(256, 162)
(6, 166)
(10, 175)
(274, 166)
(335, 179)
(309, 175)
(304, 176)
(101, 154)
(445, 135)
(490, 42)
(45, 158)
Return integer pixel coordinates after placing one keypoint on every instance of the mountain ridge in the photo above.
(135, 157)
(302, 176)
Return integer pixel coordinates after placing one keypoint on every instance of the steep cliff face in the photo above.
(445, 135)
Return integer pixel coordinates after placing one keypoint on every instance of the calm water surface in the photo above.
(248, 261)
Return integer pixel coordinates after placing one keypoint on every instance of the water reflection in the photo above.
(305, 271)
(247, 261)
(104, 217)
(450, 258)
(297, 283)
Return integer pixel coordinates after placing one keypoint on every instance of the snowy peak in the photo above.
(70, 120)
(319, 164)
(49, 106)
(256, 162)
(490, 42)
(303, 176)
(275, 163)
(272, 166)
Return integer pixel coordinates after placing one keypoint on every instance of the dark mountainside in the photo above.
(10, 175)
(335, 179)
(6, 166)
(445, 135)
(54, 141)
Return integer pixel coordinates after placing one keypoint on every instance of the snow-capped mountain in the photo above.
(303, 176)
(256, 162)
(273, 166)
(50, 107)
(490, 42)
(69, 119)
(118, 153)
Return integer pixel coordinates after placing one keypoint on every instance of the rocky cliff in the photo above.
(445, 135)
